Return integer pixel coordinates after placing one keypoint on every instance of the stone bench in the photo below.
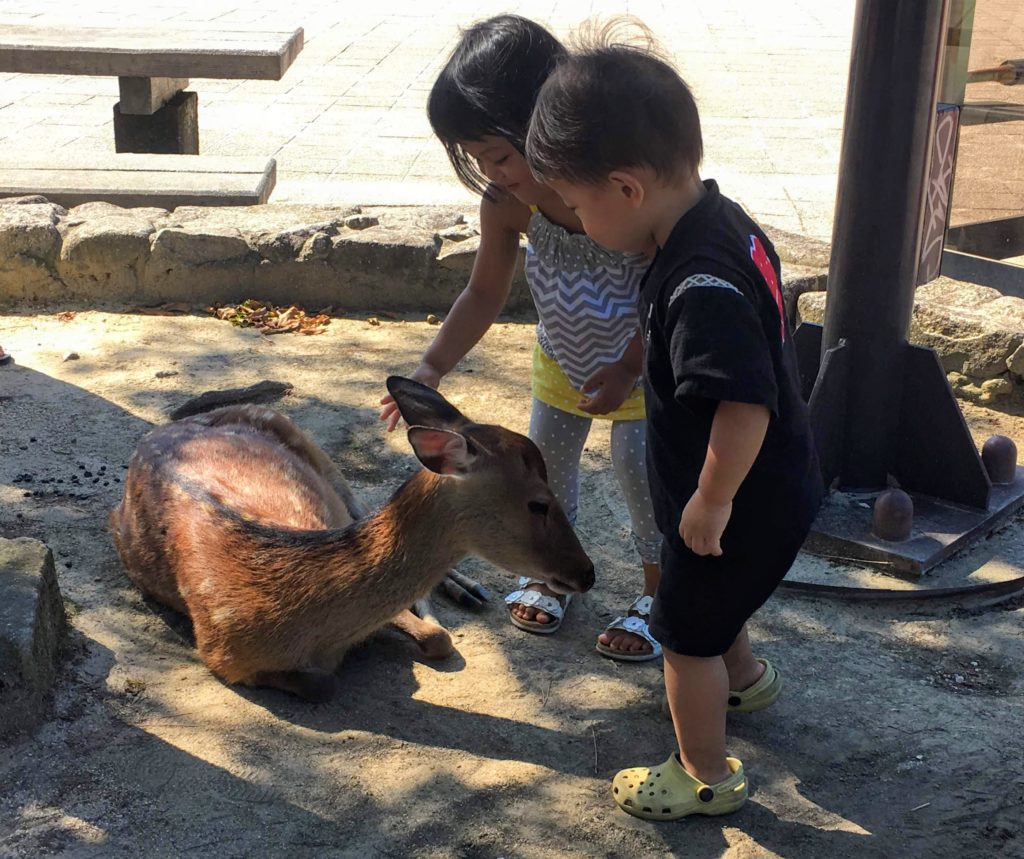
(163, 181)
(153, 66)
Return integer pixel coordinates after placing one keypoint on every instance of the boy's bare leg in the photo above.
(698, 689)
(744, 670)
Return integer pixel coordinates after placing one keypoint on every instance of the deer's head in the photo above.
(505, 506)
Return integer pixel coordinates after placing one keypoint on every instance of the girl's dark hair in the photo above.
(488, 87)
(611, 107)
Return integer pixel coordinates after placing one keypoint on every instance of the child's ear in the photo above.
(629, 185)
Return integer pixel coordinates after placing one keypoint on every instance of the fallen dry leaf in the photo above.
(268, 319)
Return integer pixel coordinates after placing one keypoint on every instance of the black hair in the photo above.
(489, 86)
(610, 107)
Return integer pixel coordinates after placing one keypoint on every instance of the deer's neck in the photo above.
(394, 557)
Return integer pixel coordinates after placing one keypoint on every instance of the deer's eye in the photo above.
(538, 507)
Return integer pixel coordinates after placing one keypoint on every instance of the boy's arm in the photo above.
(737, 433)
(478, 305)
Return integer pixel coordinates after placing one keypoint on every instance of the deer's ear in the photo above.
(422, 406)
(442, 451)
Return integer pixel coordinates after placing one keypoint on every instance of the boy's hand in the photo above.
(702, 524)
(605, 390)
(425, 375)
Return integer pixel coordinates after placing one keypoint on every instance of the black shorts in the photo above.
(703, 600)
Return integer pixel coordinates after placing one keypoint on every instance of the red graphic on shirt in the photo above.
(764, 265)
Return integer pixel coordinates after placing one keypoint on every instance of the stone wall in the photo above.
(356, 258)
(977, 332)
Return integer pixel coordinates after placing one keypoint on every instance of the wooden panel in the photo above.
(161, 51)
(166, 181)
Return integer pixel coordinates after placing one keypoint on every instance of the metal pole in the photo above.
(890, 115)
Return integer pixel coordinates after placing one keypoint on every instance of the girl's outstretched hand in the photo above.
(702, 524)
(606, 389)
(425, 375)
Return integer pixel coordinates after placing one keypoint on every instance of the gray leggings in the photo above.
(561, 436)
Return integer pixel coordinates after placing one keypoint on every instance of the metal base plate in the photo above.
(842, 531)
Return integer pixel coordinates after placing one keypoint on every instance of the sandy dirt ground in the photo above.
(898, 733)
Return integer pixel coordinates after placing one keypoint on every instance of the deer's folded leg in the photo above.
(432, 638)
(312, 685)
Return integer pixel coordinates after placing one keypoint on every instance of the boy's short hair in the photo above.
(611, 107)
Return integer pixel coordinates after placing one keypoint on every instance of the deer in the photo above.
(237, 519)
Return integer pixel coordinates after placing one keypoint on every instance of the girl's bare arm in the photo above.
(479, 304)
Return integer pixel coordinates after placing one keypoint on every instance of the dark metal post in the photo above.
(881, 408)
(890, 115)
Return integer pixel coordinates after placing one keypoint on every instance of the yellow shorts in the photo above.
(550, 385)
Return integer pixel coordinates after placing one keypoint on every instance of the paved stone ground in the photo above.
(347, 122)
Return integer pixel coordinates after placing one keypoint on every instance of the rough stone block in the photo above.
(106, 254)
(32, 623)
(980, 340)
(29, 245)
(216, 264)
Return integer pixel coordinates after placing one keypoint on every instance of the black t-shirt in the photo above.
(716, 330)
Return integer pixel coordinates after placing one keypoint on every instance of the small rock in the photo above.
(165, 374)
(71, 356)
(995, 389)
(975, 664)
(958, 678)
(373, 320)
(432, 320)
(361, 222)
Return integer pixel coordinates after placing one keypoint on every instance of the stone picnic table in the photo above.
(155, 113)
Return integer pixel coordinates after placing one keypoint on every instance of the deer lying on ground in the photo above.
(237, 519)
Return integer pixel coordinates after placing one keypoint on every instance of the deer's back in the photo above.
(192, 489)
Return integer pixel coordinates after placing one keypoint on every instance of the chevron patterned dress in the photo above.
(586, 298)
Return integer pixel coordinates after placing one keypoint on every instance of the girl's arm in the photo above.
(479, 304)
(737, 433)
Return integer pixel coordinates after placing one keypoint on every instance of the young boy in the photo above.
(732, 465)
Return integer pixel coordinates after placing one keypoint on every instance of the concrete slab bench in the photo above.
(153, 67)
(163, 181)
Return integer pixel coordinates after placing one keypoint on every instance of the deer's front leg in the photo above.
(433, 639)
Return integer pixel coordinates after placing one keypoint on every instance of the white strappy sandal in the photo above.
(636, 624)
(542, 602)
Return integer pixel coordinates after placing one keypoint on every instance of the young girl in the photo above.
(587, 361)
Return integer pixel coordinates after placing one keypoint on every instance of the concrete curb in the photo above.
(32, 624)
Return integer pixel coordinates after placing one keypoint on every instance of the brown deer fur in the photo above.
(237, 519)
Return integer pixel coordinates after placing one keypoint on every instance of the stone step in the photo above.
(132, 180)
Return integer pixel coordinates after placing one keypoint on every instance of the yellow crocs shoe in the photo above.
(668, 792)
(762, 694)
